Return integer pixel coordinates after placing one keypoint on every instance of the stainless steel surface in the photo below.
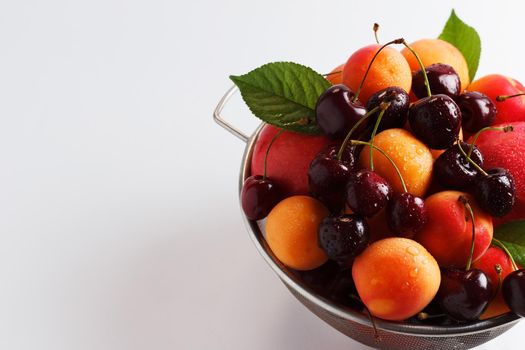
(219, 120)
(393, 335)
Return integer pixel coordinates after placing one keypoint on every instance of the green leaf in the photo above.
(283, 94)
(512, 235)
(466, 39)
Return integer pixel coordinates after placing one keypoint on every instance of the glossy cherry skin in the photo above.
(343, 237)
(513, 289)
(442, 78)
(453, 170)
(495, 192)
(396, 114)
(435, 120)
(336, 113)
(477, 111)
(327, 176)
(464, 295)
(367, 192)
(406, 214)
(259, 196)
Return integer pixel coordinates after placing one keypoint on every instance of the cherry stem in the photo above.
(497, 267)
(502, 128)
(356, 142)
(425, 316)
(471, 213)
(383, 107)
(370, 317)
(268, 151)
(427, 84)
(396, 41)
(470, 160)
(376, 28)
(356, 125)
(502, 98)
(503, 247)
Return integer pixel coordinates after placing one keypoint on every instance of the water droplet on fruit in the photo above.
(413, 250)
(414, 272)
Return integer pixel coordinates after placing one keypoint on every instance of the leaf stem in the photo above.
(268, 151)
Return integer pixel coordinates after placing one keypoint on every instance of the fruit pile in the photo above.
(395, 183)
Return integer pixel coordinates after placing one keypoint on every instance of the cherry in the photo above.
(367, 192)
(320, 279)
(396, 115)
(344, 292)
(328, 175)
(453, 170)
(259, 196)
(496, 192)
(336, 112)
(442, 78)
(406, 214)
(343, 237)
(465, 294)
(514, 291)
(435, 119)
(477, 110)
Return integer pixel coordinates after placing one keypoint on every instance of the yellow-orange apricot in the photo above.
(412, 157)
(291, 232)
(438, 51)
(390, 68)
(336, 75)
(396, 278)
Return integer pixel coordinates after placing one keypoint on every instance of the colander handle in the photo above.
(218, 118)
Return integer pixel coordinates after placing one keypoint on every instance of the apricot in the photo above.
(448, 232)
(493, 85)
(396, 278)
(412, 157)
(438, 51)
(336, 75)
(291, 232)
(389, 69)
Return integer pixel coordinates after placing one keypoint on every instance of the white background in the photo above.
(119, 219)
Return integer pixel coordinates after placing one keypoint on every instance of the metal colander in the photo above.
(356, 325)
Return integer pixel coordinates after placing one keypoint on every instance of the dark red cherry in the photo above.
(442, 78)
(259, 196)
(495, 192)
(321, 278)
(396, 114)
(477, 111)
(343, 237)
(453, 170)
(406, 214)
(464, 295)
(336, 113)
(513, 289)
(367, 192)
(435, 120)
(344, 292)
(327, 176)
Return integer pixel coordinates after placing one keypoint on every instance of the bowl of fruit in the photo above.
(389, 195)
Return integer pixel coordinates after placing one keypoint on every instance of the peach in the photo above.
(438, 51)
(448, 232)
(291, 232)
(336, 75)
(396, 278)
(493, 85)
(411, 156)
(506, 150)
(487, 262)
(288, 159)
(389, 69)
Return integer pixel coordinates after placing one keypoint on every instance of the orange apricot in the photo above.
(336, 75)
(291, 232)
(390, 68)
(411, 156)
(438, 51)
(396, 278)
